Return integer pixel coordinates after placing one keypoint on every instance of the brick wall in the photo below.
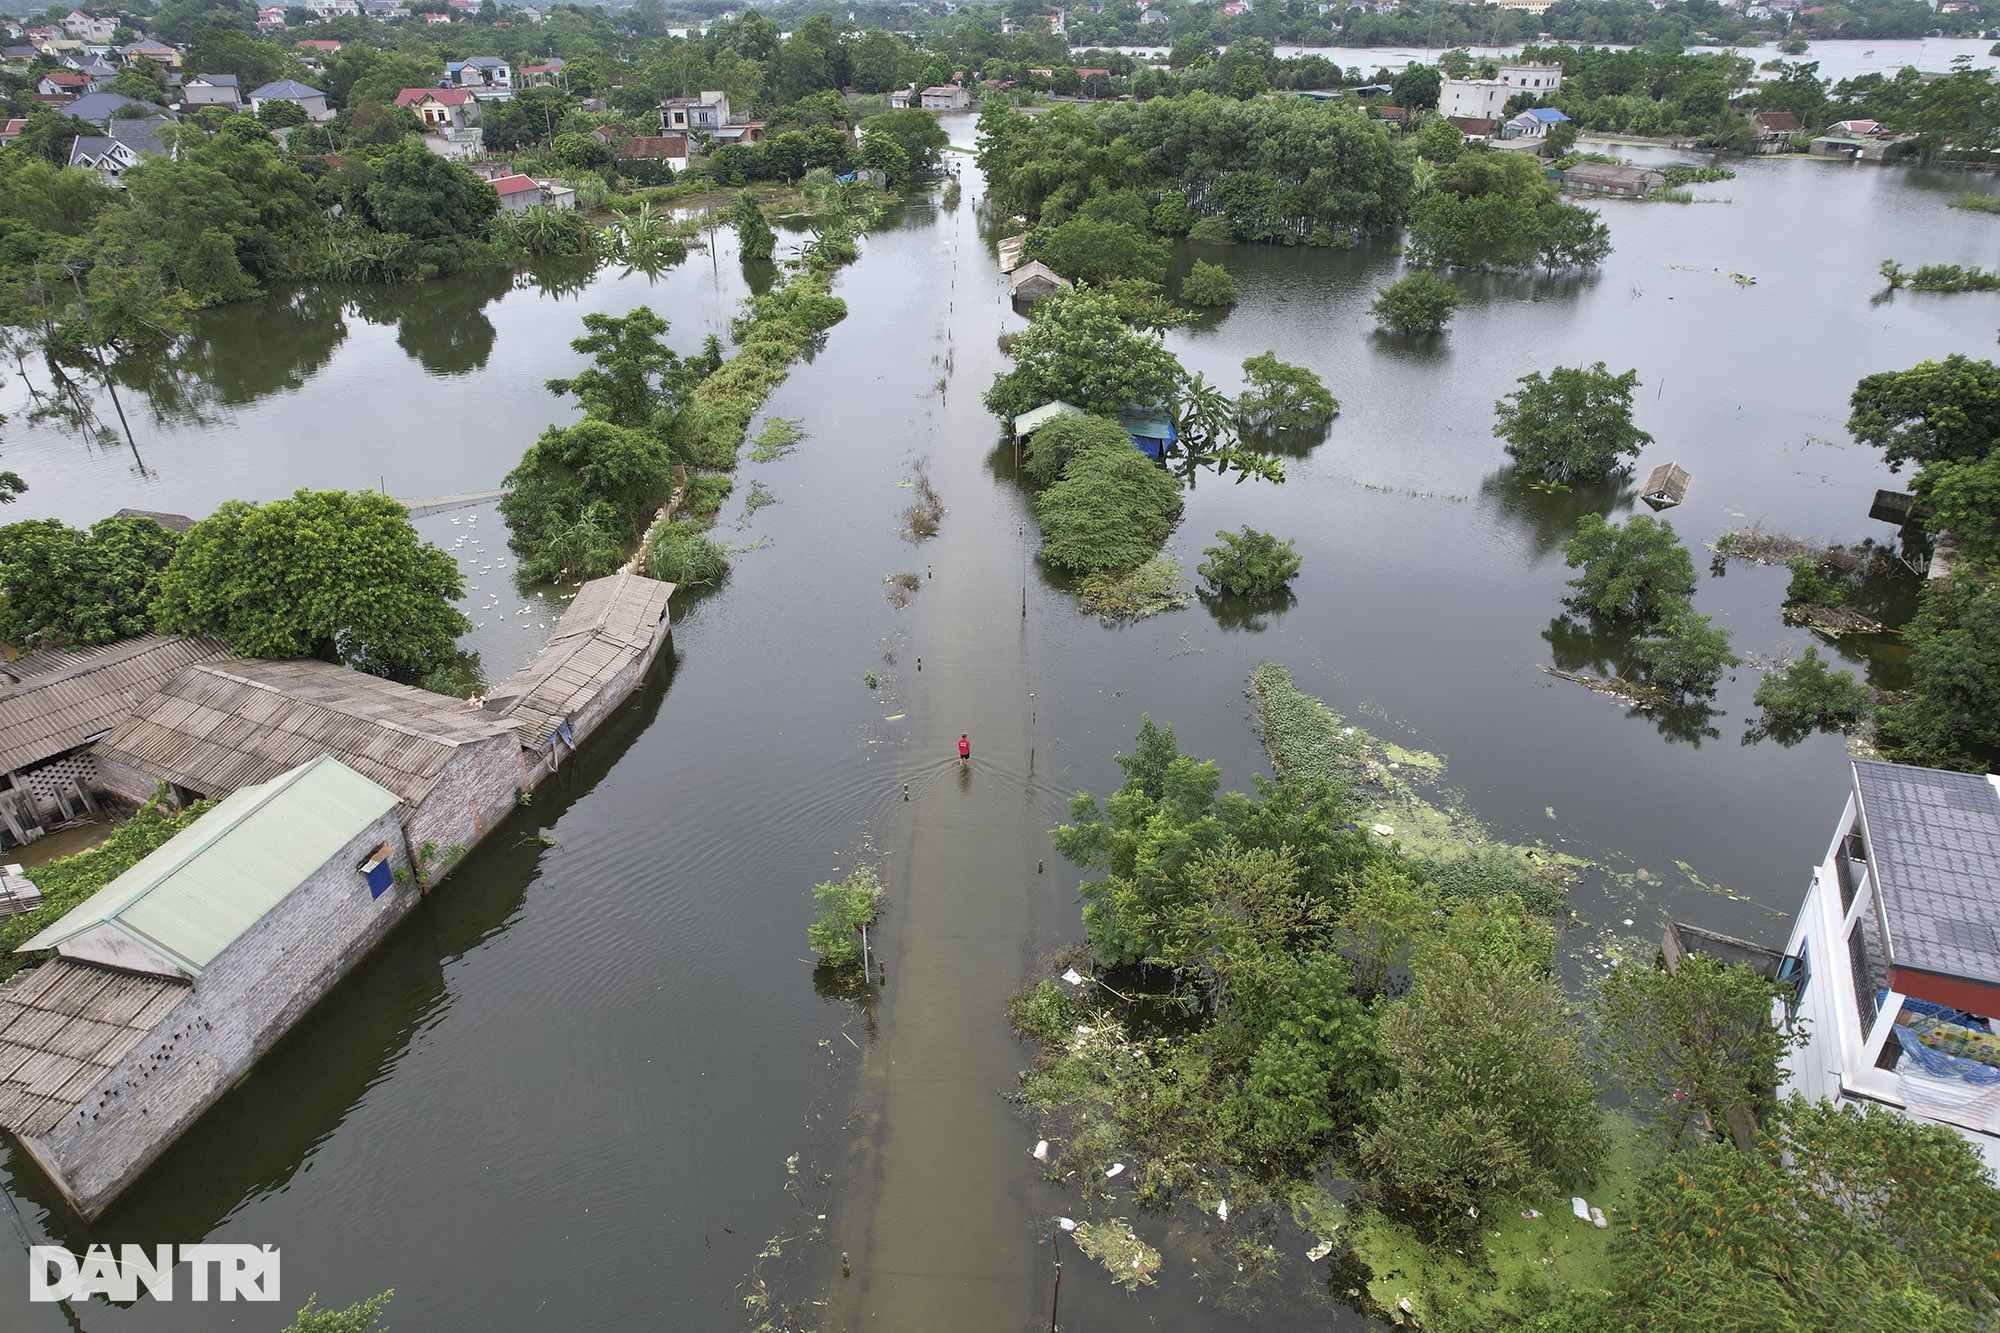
(473, 794)
(237, 1009)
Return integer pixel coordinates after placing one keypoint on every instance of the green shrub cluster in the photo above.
(1249, 563)
(1637, 574)
(685, 554)
(1111, 509)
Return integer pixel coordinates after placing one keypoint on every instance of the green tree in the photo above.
(1575, 425)
(1084, 249)
(67, 586)
(1839, 1219)
(754, 237)
(579, 152)
(361, 1317)
(1633, 572)
(1052, 446)
(878, 62)
(1499, 211)
(1685, 653)
(1694, 1046)
(1416, 88)
(1949, 714)
(1250, 563)
(845, 905)
(1280, 396)
(281, 115)
(1965, 501)
(1419, 303)
(1078, 348)
(339, 575)
(1490, 1096)
(634, 375)
(419, 194)
(1208, 285)
(1111, 509)
(1935, 412)
(1805, 694)
(581, 496)
(918, 133)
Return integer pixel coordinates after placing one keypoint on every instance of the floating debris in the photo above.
(1130, 1261)
(1580, 1208)
(1066, 1223)
(1116, 1170)
(1319, 1251)
(1222, 1211)
(1041, 1153)
(1073, 977)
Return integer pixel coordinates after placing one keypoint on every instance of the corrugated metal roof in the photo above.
(219, 727)
(610, 623)
(51, 702)
(1029, 422)
(1934, 847)
(63, 1027)
(190, 899)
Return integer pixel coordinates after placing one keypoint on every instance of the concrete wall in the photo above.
(473, 794)
(238, 1008)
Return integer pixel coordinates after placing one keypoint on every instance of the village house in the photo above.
(481, 72)
(124, 144)
(311, 100)
(1034, 280)
(671, 149)
(172, 981)
(949, 97)
(1775, 130)
(544, 75)
(709, 112)
(64, 83)
(96, 29)
(53, 704)
(1894, 958)
(158, 52)
(1609, 181)
(1474, 129)
(450, 118)
(100, 109)
(10, 130)
(899, 100)
(211, 90)
(518, 193)
(1534, 123)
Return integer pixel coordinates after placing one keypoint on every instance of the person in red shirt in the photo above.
(964, 751)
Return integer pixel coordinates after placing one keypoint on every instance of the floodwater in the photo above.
(591, 1081)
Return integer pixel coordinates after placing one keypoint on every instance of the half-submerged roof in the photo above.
(63, 1027)
(610, 624)
(1934, 848)
(1029, 422)
(194, 896)
(52, 702)
(219, 727)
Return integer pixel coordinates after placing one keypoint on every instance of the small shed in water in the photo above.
(1606, 179)
(598, 653)
(1034, 280)
(1029, 422)
(174, 979)
(1666, 487)
(1150, 435)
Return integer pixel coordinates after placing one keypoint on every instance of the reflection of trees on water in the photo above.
(1583, 648)
(1250, 615)
(1548, 515)
(237, 354)
(558, 278)
(442, 325)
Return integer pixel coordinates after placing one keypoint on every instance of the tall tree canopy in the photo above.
(1079, 349)
(339, 575)
(1574, 425)
(64, 585)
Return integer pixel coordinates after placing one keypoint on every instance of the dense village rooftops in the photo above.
(219, 727)
(52, 702)
(186, 902)
(1933, 845)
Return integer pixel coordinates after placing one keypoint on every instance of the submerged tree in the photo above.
(1281, 396)
(1573, 426)
(1421, 303)
(1633, 572)
(1250, 563)
(1110, 510)
(634, 373)
(1805, 695)
(1078, 349)
(754, 237)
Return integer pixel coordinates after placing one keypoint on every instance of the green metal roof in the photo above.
(1029, 422)
(192, 897)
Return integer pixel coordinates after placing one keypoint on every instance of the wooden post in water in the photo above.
(864, 953)
(1056, 1297)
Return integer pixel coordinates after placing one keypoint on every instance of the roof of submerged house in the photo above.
(194, 896)
(1934, 847)
(218, 727)
(63, 1027)
(610, 623)
(53, 701)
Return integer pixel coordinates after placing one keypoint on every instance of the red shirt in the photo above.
(964, 748)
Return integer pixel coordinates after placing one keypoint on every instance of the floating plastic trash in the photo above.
(1222, 1210)
(1041, 1150)
(1598, 1219)
(1117, 1169)
(1066, 1223)
(1580, 1208)
(1384, 830)
(1530, 1215)
(1073, 977)
(1319, 1251)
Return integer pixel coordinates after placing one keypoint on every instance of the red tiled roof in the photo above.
(507, 185)
(655, 146)
(1782, 122)
(318, 44)
(444, 96)
(66, 78)
(12, 129)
